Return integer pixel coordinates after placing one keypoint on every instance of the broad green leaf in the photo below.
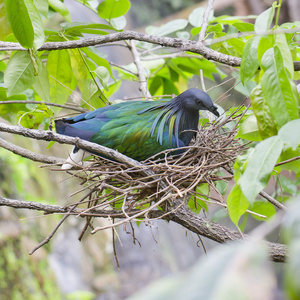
(20, 22)
(287, 185)
(196, 17)
(9, 111)
(249, 129)
(237, 204)
(237, 44)
(264, 20)
(229, 20)
(60, 75)
(41, 85)
(19, 74)
(78, 67)
(290, 133)
(260, 166)
(103, 75)
(264, 208)
(265, 43)
(60, 7)
(279, 90)
(171, 27)
(37, 24)
(242, 27)
(42, 6)
(281, 42)
(185, 35)
(109, 9)
(293, 165)
(249, 62)
(265, 120)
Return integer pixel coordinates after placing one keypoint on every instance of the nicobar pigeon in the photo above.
(139, 129)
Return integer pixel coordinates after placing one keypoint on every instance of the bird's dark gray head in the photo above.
(194, 99)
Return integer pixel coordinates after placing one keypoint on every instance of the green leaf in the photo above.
(281, 42)
(41, 85)
(264, 20)
(237, 204)
(32, 120)
(171, 27)
(77, 26)
(19, 75)
(293, 165)
(60, 7)
(279, 90)
(109, 9)
(290, 133)
(265, 120)
(249, 63)
(78, 67)
(37, 24)
(264, 44)
(249, 129)
(20, 22)
(103, 75)
(264, 208)
(42, 6)
(98, 60)
(260, 166)
(60, 75)
(243, 27)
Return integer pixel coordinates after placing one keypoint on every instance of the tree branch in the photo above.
(180, 44)
(182, 215)
(29, 154)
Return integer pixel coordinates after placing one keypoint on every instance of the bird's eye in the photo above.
(198, 101)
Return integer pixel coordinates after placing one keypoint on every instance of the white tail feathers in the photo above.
(74, 159)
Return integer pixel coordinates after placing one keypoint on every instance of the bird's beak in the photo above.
(214, 110)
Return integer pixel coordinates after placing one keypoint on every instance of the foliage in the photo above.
(270, 125)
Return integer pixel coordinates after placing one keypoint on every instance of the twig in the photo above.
(273, 201)
(76, 108)
(205, 20)
(29, 154)
(141, 71)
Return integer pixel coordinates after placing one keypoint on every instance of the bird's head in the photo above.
(194, 99)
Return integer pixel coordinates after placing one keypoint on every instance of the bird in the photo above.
(139, 129)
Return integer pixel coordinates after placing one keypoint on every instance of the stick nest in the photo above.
(132, 192)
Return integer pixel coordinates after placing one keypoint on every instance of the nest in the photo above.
(131, 193)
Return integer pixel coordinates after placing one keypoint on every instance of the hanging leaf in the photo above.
(60, 75)
(260, 166)
(249, 62)
(19, 74)
(109, 9)
(41, 85)
(20, 22)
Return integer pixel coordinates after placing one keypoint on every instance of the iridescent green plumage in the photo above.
(140, 129)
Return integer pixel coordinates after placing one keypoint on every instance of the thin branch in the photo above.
(29, 154)
(141, 71)
(75, 107)
(273, 201)
(63, 139)
(182, 215)
(205, 20)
